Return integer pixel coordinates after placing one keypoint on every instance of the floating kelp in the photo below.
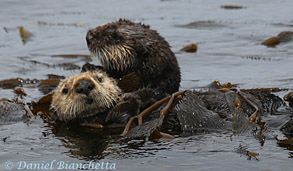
(239, 111)
(16, 82)
(287, 128)
(11, 112)
(44, 100)
(283, 37)
(285, 142)
(5, 29)
(204, 24)
(11, 83)
(46, 86)
(232, 7)
(244, 151)
(217, 85)
(14, 111)
(25, 35)
(271, 42)
(192, 48)
(19, 91)
(193, 116)
(214, 110)
(71, 56)
(41, 107)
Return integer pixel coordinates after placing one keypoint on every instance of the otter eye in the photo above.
(65, 91)
(115, 36)
(100, 79)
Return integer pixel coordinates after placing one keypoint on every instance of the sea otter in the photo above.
(95, 97)
(84, 94)
(124, 47)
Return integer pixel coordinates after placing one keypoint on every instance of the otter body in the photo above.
(124, 47)
(93, 96)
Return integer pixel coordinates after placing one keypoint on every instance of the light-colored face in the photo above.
(84, 94)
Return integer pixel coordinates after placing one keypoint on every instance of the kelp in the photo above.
(192, 48)
(25, 35)
(282, 37)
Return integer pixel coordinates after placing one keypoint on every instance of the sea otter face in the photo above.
(114, 44)
(84, 94)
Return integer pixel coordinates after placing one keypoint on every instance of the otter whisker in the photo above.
(112, 56)
(72, 110)
(76, 105)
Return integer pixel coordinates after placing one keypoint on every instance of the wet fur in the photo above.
(124, 47)
(74, 105)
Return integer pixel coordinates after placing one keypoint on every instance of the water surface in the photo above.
(229, 50)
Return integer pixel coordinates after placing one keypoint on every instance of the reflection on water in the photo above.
(229, 50)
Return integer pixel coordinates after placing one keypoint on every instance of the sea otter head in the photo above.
(117, 44)
(84, 94)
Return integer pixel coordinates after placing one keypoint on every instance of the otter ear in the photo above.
(91, 67)
(116, 36)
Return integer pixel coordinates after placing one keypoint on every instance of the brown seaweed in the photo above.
(192, 48)
(25, 35)
(46, 86)
(194, 117)
(11, 83)
(20, 92)
(282, 37)
(232, 7)
(244, 151)
(203, 24)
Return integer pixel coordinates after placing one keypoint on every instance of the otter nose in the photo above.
(85, 87)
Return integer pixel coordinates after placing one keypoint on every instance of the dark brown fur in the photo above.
(124, 47)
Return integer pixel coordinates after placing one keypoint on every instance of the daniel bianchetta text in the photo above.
(59, 165)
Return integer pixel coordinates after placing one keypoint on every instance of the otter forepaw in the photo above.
(91, 67)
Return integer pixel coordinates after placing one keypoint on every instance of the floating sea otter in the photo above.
(94, 93)
(98, 99)
(84, 95)
(124, 47)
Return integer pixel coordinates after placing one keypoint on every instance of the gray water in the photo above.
(229, 50)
